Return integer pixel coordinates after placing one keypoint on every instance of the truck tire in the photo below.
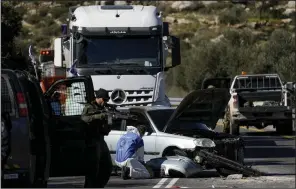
(5, 140)
(285, 128)
(234, 128)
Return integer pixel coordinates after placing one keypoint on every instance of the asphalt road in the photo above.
(265, 150)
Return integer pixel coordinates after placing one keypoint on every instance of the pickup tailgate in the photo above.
(264, 109)
(260, 96)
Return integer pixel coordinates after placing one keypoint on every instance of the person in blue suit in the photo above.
(130, 153)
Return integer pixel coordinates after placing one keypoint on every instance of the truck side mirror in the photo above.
(165, 29)
(176, 54)
(58, 58)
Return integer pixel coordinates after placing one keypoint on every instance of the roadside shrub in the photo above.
(68, 3)
(43, 11)
(215, 7)
(233, 16)
(42, 41)
(56, 12)
(63, 17)
(52, 30)
(21, 10)
(46, 22)
(33, 19)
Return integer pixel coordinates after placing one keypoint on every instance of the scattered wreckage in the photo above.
(221, 151)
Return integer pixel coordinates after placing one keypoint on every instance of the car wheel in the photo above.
(5, 142)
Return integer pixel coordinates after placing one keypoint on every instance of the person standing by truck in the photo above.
(95, 145)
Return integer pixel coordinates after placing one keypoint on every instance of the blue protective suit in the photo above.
(130, 145)
(130, 153)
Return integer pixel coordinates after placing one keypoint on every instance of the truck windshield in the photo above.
(131, 51)
(257, 82)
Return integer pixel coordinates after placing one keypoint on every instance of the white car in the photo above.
(182, 130)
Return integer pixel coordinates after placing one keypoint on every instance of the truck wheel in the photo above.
(285, 128)
(234, 128)
(5, 142)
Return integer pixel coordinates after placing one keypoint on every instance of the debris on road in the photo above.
(219, 161)
(234, 176)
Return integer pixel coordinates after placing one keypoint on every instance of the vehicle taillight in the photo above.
(235, 99)
(23, 110)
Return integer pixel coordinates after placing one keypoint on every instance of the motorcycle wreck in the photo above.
(226, 155)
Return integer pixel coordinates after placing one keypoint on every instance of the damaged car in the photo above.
(185, 130)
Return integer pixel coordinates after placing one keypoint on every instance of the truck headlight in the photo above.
(204, 142)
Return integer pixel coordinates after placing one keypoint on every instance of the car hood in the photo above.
(203, 106)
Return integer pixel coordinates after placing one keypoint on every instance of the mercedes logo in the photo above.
(118, 96)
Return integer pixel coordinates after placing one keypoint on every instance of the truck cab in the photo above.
(124, 50)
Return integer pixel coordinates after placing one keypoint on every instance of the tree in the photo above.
(11, 25)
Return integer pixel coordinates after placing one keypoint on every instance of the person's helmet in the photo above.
(102, 93)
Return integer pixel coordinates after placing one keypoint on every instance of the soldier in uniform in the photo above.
(98, 160)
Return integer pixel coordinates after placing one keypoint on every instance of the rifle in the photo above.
(113, 114)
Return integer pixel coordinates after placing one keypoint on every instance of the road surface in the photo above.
(265, 151)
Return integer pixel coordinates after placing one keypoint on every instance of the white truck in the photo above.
(123, 48)
(257, 100)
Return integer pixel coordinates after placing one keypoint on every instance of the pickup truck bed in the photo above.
(260, 95)
(264, 109)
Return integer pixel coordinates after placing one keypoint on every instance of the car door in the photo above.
(149, 137)
(66, 98)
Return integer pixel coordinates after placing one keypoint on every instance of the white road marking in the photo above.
(173, 181)
(161, 182)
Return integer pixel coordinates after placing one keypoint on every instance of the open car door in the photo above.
(203, 106)
(216, 82)
(67, 98)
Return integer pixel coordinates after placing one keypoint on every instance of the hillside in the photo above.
(42, 20)
(197, 23)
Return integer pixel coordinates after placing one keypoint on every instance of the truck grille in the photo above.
(137, 98)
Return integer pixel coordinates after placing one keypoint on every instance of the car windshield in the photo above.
(160, 118)
(131, 51)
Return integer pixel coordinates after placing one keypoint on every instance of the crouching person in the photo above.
(130, 154)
